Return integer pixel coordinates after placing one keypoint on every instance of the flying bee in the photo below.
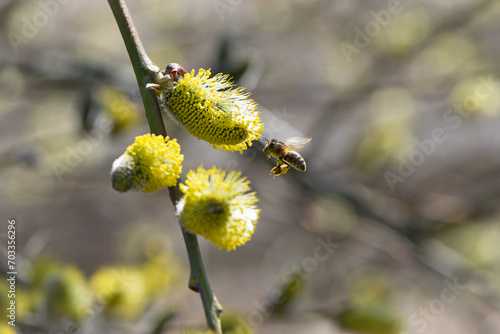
(286, 154)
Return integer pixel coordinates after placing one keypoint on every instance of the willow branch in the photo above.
(144, 69)
(145, 72)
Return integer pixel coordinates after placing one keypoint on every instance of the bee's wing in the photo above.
(296, 143)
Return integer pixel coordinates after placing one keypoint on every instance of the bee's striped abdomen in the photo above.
(295, 160)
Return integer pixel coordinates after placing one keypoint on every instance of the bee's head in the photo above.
(270, 145)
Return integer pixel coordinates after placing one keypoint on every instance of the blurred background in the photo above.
(393, 228)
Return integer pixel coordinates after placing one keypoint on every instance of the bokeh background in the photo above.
(393, 228)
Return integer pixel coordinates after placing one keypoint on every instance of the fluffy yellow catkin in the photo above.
(219, 206)
(211, 109)
(149, 164)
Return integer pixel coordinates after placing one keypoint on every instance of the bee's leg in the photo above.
(273, 172)
(284, 168)
(276, 170)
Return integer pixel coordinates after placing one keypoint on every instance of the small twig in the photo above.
(145, 72)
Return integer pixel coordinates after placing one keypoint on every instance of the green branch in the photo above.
(145, 72)
(144, 69)
(198, 281)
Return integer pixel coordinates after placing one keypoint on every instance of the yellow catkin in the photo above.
(149, 164)
(211, 109)
(219, 206)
